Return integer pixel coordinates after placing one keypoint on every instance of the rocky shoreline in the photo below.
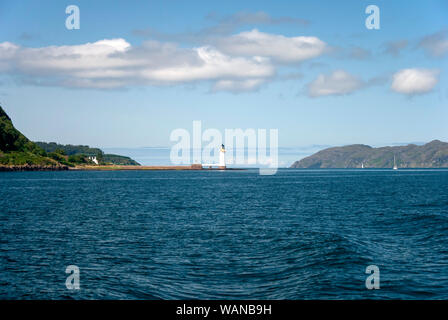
(28, 167)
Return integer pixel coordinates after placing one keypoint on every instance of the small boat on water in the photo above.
(395, 164)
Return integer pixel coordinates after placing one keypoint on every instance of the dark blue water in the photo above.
(300, 234)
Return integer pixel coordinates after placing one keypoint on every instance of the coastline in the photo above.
(28, 167)
(128, 168)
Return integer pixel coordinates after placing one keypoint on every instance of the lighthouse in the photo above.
(222, 157)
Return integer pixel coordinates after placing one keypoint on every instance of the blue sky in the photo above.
(311, 69)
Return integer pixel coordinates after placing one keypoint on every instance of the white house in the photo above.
(94, 159)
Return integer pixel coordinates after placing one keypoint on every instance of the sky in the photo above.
(137, 70)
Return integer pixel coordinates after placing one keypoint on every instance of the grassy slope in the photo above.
(16, 149)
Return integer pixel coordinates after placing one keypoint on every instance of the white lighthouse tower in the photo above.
(222, 157)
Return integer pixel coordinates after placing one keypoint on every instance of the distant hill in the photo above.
(17, 152)
(68, 148)
(431, 155)
(72, 150)
(119, 160)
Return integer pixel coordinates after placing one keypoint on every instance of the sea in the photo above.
(298, 234)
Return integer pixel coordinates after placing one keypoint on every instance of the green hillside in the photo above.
(119, 160)
(80, 150)
(69, 149)
(18, 152)
(12, 140)
(431, 155)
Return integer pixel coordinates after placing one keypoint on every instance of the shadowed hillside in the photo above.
(18, 151)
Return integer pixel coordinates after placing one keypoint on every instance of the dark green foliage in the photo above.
(16, 149)
(60, 158)
(56, 156)
(23, 158)
(103, 159)
(100, 158)
(119, 160)
(69, 149)
(79, 159)
(10, 138)
(60, 151)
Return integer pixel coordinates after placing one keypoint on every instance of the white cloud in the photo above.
(238, 63)
(279, 48)
(213, 65)
(337, 83)
(414, 81)
(115, 63)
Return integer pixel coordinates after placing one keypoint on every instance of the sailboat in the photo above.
(395, 164)
(362, 165)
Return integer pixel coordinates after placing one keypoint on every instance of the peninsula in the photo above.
(430, 155)
(18, 153)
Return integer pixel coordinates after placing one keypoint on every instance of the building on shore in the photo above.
(93, 159)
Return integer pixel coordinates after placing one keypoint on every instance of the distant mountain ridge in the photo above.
(430, 155)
